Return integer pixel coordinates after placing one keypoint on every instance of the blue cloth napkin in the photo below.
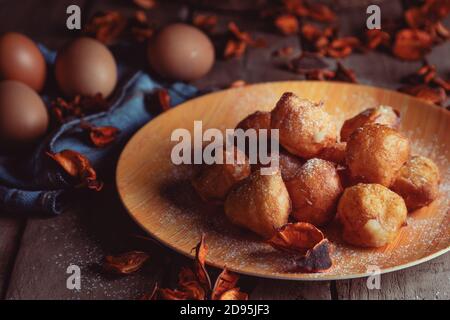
(36, 184)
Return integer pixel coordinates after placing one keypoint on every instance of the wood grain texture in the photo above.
(291, 290)
(82, 236)
(10, 234)
(429, 281)
(159, 197)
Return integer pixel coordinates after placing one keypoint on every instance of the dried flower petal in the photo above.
(234, 294)
(78, 107)
(344, 74)
(100, 136)
(139, 26)
(342, 47)
(238, 84)
(169, 294)
(245, 36)
(296, 237)
(234, 49)
(106, 26)
(199, 264)
(226, 281)
(317, 258)
(125, 263)
(426, 93)
(310, 9)
(287, 24)
(194, 284)
(320, 12)
(311, 32)
(205, 22)
(145, 4)
(376, 38)
(159, 100)
(188, 283)
(411, 44)
(79, 167)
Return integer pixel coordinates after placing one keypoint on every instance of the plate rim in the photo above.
(294, 276)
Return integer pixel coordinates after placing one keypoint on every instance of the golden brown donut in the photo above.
(289, 164)
(215, 180)
(371, 215)
(417, 182)
(257, 120)
(382, 115)
(375, 153)
(334, 153)
(260, 203)
(305, 128)
(314, 192)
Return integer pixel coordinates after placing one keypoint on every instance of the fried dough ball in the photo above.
(375, 153)
(288, 165)
(371, 215)
(261, 204)
(382, 115)
(417, 182)
(305, 128)
(334, 153)
(257, 120)
(215, 180)
(314, 192)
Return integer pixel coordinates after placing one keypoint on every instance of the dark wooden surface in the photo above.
(35, 252)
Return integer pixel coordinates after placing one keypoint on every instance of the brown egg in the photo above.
(181, 52)
(85, 66)
(23, 115)
(21, 60)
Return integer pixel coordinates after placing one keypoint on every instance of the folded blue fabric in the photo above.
(35, 184)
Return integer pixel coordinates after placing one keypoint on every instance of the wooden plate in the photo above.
(159, 197)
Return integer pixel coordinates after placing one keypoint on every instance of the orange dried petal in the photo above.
(344, 74)
(205, 22)
(189, 284)
(234, 294)
(411, 44)
(238, 84)
(296, 237)
(106, 26)
(320, 12)
(317, 259)
(226, 281)
(169, 294)
(145, 4)
(287, 24)
(200, 271)
(100, 136)
(234, 49)
(77, 166)
(125, 263)
(426, 93)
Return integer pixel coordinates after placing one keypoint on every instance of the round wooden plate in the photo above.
(159, 197)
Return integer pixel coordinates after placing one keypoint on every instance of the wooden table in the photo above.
(35, 252)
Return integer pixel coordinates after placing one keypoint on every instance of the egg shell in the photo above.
(86, 67)
(21, 60)
(23, 115)
(181, 52)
